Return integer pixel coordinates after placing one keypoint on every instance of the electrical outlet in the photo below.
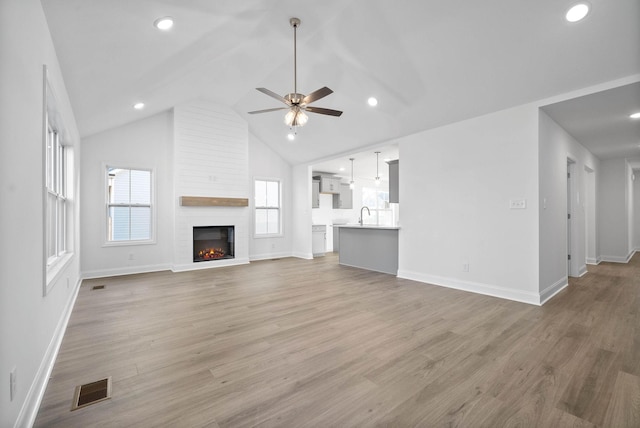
(13, 381)
(517, 204)
(465, 267)
(130, 256)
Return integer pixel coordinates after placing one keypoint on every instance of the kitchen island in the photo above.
(369, 247)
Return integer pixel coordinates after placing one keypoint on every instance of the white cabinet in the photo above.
(318, 239)
(329, 185)
(344, 199)
(315, 196)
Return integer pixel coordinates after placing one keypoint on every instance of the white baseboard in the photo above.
(270, 256)
(210, 265)
(553, 289)
(489, 290)
(594, 262)
(29, 410)
(127, 270)
(582, 271)
(306, 256)
(617, 259)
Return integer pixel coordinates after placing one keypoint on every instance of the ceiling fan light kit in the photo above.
(297, 103)
(295, 117)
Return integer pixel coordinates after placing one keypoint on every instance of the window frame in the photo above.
(107, 205)
(56, 194)
(64, 174)
(280, 232)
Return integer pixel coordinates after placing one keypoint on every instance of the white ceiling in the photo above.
(601, 122)
(428, 62)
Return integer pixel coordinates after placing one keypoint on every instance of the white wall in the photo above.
(455, 186)
(636, 210)
(265, 163)
(613, 211)
(591, 210)
(301, 175)
(31, 324)
(143, 144)
(630, 207)
(556, 146)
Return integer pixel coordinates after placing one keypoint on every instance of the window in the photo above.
(58, 178)
(267, 205)
(56, 231)
(378, 202)
(128, 204)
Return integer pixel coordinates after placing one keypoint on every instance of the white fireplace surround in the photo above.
(211, 159)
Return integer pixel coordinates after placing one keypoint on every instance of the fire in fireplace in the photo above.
(213, 243)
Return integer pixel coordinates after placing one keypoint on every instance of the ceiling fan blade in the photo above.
(274, 95)
(321, 110)
(268, 110)
(316, 95)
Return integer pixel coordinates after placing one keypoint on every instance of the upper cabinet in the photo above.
(394, 187)
(325, 183)
(344, 199)
(329, 185)
(315, 196)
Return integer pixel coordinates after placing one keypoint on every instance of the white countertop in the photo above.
(366, 226)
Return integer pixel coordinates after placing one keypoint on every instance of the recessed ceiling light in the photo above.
(372, 101)
(138, 106)
(341, 168)
(635, 115)
(163, 23)
(577, 12)
(291, 136)
(387, 159)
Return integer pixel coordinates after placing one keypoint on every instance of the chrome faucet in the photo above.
(361, 220)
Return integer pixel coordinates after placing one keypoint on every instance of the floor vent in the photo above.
(91, 393)
(98, 287)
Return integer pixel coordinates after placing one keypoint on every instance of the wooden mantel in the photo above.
(203, 201)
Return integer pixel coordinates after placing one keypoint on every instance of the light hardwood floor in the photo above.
(298, 343)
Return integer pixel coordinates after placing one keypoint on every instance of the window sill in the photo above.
(129, 243)
(273, 235)
(55, 268)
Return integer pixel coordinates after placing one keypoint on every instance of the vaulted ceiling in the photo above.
(428, 62)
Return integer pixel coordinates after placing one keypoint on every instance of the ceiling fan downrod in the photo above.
(295, 23)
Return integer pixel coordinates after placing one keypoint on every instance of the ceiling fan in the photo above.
(297, 103)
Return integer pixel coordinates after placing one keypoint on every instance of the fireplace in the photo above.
(213, 243)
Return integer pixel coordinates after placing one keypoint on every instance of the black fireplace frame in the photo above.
(222, 237)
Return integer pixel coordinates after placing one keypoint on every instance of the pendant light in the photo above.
(377, 171)
(352, 183)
